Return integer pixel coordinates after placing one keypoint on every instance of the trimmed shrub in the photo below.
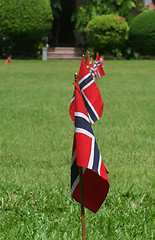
(106, 33)
(142, 33)
(31, 18)
(24, 23)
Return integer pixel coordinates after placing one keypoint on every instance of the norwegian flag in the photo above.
(102, 61)
(99, 72)
(92, 69)
(8, 60)
(95, 70)
(87, 62)
(86, 155)
(91, 95)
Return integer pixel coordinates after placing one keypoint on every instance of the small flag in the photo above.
(95, 70)
(87, 62)
(102, 61)
(86, 155)
(99, 70)
(92, 69)
(91, 95)
(8, 59)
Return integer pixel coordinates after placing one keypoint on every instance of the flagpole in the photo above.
(81, 190)
(82, 204)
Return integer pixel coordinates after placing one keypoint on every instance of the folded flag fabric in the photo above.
(86, 155)
(102, 61)
(91, 95)
(95, 70)
(99, 72)
(92, 69)
(8, 60)
(87, 62)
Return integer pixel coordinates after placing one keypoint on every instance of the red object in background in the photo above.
(8, 59)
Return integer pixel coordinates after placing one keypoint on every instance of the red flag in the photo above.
(92, 69)
(99, 70)
(102, 61)
(87, 62)
(91, 95)
(8, 59)
(86, 154)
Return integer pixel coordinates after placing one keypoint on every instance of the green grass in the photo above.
(36, 137)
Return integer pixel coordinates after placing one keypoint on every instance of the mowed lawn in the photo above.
(36, 137)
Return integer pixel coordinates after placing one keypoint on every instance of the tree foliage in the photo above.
(56, 7)
(99, 7)
(31, 19)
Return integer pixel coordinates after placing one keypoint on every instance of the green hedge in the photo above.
(106, 33)
(142, 33)
(29, 18)
(23, 23)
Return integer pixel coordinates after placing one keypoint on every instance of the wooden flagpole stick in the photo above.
(83, 58)
(82, 204)
(76, 76)
(81, 191)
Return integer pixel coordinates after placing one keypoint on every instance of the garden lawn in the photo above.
(36, 137)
